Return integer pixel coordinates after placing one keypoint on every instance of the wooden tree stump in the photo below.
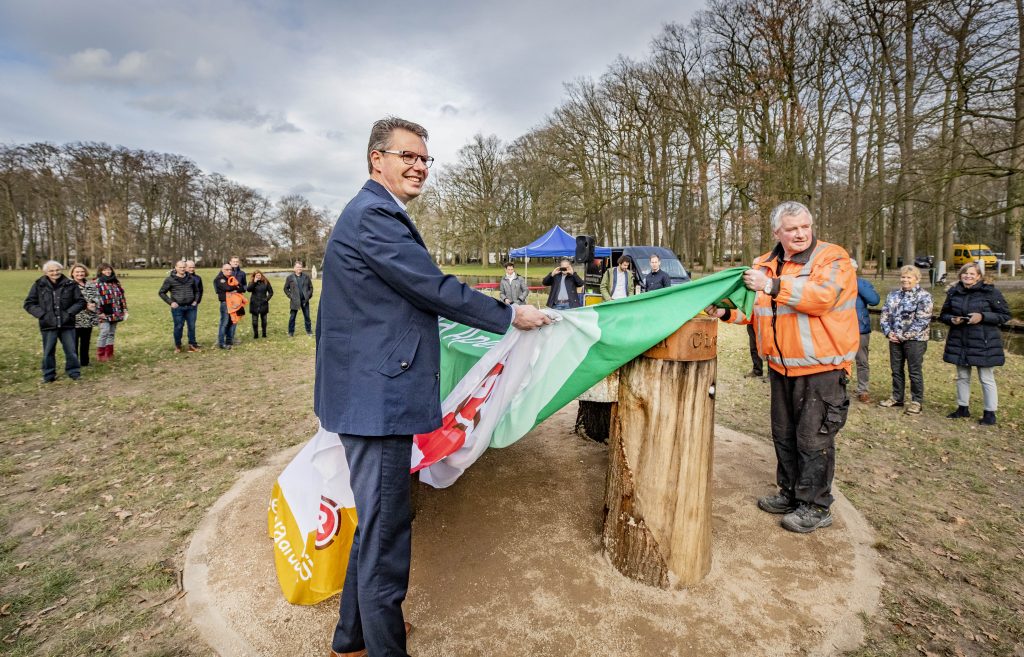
(657, 527)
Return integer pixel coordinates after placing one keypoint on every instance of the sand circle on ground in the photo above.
(508, 561)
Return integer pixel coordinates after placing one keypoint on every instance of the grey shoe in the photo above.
(780, 503)
(913, 408)
(807, 518)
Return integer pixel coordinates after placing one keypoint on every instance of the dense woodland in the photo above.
(900, 123)
(95, 203)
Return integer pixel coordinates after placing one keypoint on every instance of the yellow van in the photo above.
(964, 253)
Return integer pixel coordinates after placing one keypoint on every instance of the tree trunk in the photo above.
(657, 526)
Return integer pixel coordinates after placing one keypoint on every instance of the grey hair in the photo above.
(853, 263)
(380, 135)
(51, 263)
(788, 209)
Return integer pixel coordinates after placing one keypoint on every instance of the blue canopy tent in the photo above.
(556, 243)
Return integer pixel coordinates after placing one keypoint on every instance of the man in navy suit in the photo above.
(378, 372)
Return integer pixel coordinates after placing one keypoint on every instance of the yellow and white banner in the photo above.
(312, 519)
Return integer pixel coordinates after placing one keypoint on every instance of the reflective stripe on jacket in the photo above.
(808, 324)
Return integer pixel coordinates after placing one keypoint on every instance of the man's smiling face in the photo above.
(403, 180)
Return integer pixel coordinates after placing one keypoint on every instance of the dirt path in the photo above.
(508, 562)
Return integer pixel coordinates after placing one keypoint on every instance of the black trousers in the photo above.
(756, 362)
(377, 577)
(82, 338)
(807, 412)
(911, 353)
(262, 317)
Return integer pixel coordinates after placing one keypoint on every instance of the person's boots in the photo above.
(988, 417)
(961, 411)
(101, 354)
(110, 352)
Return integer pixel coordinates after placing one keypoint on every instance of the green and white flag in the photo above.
(497, 388)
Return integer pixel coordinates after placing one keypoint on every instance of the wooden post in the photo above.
(657, 527)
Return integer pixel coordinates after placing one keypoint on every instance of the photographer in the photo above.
(564, 284)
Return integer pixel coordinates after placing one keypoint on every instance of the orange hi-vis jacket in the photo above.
(235, 301)
(808, 324)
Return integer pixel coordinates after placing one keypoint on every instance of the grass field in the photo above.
(105, 479)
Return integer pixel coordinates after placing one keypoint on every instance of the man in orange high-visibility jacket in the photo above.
(805, 320)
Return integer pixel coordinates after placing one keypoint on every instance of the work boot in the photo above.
(780, 503)
(752, 374)
(988, 417)
(110, 352)
(101, 354)
(961, 411)
(807, 518)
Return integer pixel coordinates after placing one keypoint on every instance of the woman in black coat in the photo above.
(259, 301)
(974, 311)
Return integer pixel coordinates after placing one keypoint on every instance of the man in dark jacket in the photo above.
(378, 360)
(564, 282)
(179, 292)
(223, 283)
(54, 299)
(657, 279)
(236, 271)
(298, 287)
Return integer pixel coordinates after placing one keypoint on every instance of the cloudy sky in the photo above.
(280, 95)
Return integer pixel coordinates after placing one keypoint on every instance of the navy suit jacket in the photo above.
(377, 345)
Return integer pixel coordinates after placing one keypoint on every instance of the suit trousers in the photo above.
(378, 566)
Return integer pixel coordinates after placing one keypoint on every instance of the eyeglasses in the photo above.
(410, 158)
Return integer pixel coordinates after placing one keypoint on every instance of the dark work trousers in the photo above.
(82, 338)
(378, 566)
(305, 317)
(757, 363)
(807, 411)
(910, 352)
(263, 318)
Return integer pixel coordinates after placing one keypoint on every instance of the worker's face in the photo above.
(226, 270)
(405, 181)
(53, 272)
(179, 268)
(655, 263)
(794, 232)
